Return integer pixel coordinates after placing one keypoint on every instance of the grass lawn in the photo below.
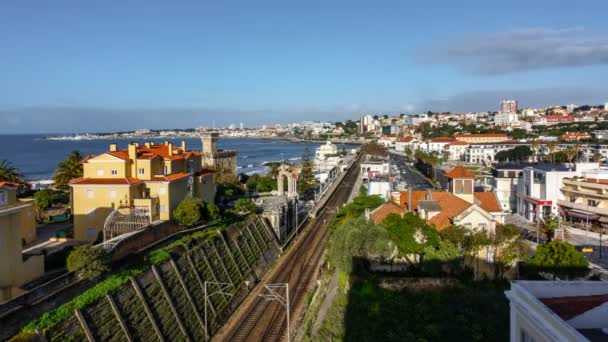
(476, 312)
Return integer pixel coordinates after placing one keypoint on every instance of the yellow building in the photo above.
(17, 226)
(482, 138)
(585, 198)
(153, 178)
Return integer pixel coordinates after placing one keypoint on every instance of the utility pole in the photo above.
(273, 295)
(221, 290)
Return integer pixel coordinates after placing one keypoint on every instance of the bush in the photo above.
(44, 199)
(560, 259)
(244, 205)
(189, 212)
(212, 212)
(88, 261)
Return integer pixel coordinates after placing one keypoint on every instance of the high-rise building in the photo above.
(241, 126)
(508, 106)
(606, 106)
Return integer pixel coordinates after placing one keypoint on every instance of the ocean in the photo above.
(37, 157)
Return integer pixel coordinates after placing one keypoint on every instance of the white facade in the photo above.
(505, 119)
(532, 319)
(371, 169)
(415, 120)
(326, 150)
(381, 188)
(539, 188)
(409, 142)
(485, 153)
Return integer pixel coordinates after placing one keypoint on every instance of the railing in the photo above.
(585, 192)
(583, 207)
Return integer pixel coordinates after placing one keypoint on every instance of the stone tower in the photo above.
(215, 159)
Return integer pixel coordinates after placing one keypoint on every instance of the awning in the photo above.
(583, 214)
(604, 219)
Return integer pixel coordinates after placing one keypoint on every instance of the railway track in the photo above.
(262, 320)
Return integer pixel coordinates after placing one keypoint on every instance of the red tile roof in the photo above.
(379, 214)
(570, 307)
(416, 197)
(171, 177)
(407, 139)
(106, 181)
(442, 140)
(451, 206)
(488, 201)
(458, 142)
(459, 172)
(9, 184)
(153, 151)
(482, 135)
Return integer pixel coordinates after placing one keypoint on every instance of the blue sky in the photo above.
(66, 64)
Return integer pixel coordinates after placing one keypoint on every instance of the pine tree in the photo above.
(306, 180)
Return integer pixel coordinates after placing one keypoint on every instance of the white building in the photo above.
(548, 311)
(539, 188)
(415, 120)
(405, 143)
(606, 106)
(508, 106)
(504, 181)
(505, 119)
(380, 187)
(326, 150)
(457, 150)
(481, 153)
(373, 167)
(571, 107)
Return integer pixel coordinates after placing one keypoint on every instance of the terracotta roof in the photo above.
(104, 181)
(379, 214)
(458, 142)
(570, 307)
(459, 172)
(488, 201)
(416, 197)
(442, 139)
(481, 135)
(153, 151)
(171, 177)
(569, 117)
(9, 184)
(407, 139)
(204, 173)
(118, 154)
(451, 206)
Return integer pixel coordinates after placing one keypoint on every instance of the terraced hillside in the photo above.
(165, 302)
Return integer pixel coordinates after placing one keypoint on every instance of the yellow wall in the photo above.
(28, 223)
(13, 270)
(105, 163)
(90, 212)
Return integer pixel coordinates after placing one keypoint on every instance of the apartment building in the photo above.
(479, 153)
(538, 189)
(405, 143)
(548, 311)
(504, 182)
(17, 226)
(585, 197)
(152, 178)
(505, 119)
(457, 150)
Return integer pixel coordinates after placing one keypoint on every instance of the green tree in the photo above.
(9, 173)
(44, 199)
(455, 235)
(475, 242)
(412, 236)
(306, 179)
(560, 259)
(211, 212)
(548, 226)
(189, 212)
(88, 261)
(68, 169)
(355, 241)
(244, 205)
(507, 248)
(357, 207)
(408, 152)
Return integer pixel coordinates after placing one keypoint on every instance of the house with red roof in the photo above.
(151, 179)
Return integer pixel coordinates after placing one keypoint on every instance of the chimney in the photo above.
(132, 151)
(170, 148)
(183, 145)
(113, 147)
(148, 144)
(166, 143)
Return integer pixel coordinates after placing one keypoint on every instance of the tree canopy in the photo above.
(412, 236)
(68, 169)
(519, 153)
(560, 259)
(9, 172)
(88, 261)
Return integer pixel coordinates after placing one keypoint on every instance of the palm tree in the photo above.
(552, 145)
(534, 146)
(9, 172)
(570, 154)
(548, 226)
(68, 169)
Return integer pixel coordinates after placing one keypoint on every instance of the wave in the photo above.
(295, 158)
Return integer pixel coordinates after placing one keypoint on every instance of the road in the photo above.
(401, 173)
(578, 240)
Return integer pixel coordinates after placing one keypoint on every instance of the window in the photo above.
(467, 226)
(100, 172)
(114, 172)
(525, 337)
(593, 203)
(90, 194)
(165, 170)
(3, 197)
(572, 199)
(141, 171)
(481, 226)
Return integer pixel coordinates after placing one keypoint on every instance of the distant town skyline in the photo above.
(70, 66)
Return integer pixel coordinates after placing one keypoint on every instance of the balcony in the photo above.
(584, 193)
(150, 204)
(585, 184)
(583, 207)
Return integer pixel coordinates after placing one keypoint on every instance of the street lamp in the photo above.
(222, 287)
(274, 295)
